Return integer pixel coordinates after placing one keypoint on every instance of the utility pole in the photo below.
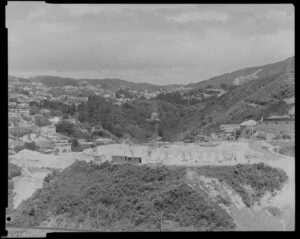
(161, 223)
(89, 219)
(97, 218)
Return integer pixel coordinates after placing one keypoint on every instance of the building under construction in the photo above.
(125, 159)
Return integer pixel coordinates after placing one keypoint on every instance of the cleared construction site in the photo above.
(35, 166)
(180, 153)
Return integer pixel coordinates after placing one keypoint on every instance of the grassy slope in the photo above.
(129, 197)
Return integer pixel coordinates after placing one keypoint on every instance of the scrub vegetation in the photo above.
(131, 198)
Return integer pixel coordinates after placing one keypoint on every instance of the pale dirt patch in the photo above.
(216, 191)
(25, 186)
(290, 100)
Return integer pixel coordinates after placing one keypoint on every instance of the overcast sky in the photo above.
(162, 44)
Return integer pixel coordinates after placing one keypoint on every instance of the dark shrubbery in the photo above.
(135, 194)
(30, 146)
(13, 170)
(261, 137)
(21, 131)
(260, 177)
(288, 150)
(138, 195)
(41, 120)
(65, 127)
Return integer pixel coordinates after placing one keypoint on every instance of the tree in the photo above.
(65, 127)
(75, 144)
(34, 110)
(160, 132)
(41, 120)
(15, 120)
(31, 146)
(224, 86)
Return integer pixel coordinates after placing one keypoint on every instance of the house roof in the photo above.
(248, 123)
(278, 118)
(229, 125)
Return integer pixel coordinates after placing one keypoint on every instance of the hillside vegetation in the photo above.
(133, 118)
(200, 109)
(130, 197)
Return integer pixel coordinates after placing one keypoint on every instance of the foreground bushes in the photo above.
(111, 195)
(130, 197)
(260, 177)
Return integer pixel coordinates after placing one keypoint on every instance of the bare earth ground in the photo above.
(226, 153)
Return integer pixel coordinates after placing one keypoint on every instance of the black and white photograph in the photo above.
(150, 118)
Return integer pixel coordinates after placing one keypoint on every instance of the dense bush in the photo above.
(15, 120)
(75, 144)
(287, 150)
(21, 131)
(30, 146)
(129, 197)
(114, 194)
(260, 177)
(65, 127)
(41, 120)
(13, 170)
(286, 136)
(261, 137)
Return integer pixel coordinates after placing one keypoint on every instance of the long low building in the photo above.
(125, 159)
(60, 147)
(229, 128)
(277, 125)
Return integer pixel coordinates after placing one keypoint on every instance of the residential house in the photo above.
(229, 128)
(49, 130)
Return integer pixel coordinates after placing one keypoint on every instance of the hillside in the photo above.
(254, 99)
(244, 75)
(250, 93)
(109, 197)
(134, 119)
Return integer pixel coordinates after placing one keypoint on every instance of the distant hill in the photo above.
(109, 84)
(234, 78)
(55, 81)
(244, 75)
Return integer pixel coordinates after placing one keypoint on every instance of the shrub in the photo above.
(260, 177)
(114, 193)
(15, 120)
(41, 120)
(20, 131)
(286, 136)
(65, 127)
(261, 137)
(75, 144)
(13, 170)
(31, 146)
